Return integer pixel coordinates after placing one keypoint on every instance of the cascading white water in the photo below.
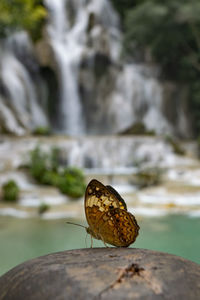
(21, 98)
(98, 92)
(138, 98)
(8, 119)
(109, 105)
(66, 41)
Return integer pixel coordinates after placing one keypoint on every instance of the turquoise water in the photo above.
(23, 239)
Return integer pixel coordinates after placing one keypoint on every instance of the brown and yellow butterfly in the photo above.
(107, 216)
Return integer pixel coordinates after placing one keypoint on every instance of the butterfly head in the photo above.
(88, 230)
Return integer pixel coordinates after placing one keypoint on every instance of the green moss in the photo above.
(10, 191)
(43, 131)
(43, 208)
(138, 128)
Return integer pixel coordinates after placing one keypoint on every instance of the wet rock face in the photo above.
(96, 93)
(103, 273)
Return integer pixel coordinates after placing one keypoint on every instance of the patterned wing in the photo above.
(118, 228)
(117, 195)
(99, 199)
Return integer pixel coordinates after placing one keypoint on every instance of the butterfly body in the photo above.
(107, 216)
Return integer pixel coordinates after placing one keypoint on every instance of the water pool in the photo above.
(23, 239)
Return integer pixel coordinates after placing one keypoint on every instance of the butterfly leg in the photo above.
(105, 244)
(91, 246)
(103, 241)
(86, 240)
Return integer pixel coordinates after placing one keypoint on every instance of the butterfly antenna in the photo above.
(76, 224)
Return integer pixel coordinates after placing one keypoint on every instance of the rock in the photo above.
(103, 273)
(175, 107)
(45, 54)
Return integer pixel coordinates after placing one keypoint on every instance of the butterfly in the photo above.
(107, 216)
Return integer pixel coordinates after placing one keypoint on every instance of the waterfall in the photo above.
(67, 42)
(98, 92)
(20, 105)
(140, 98)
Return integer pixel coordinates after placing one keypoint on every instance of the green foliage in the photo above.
(45, 169)
(10, 191)
(22, 14)
(43, 208)
(38, 164)
(170, 32)
(54, 159)
(43, 131)
(49, 178)
(195, 103)
(72, 182)
(122, 6)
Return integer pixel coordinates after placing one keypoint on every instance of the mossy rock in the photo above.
(175, 145)
(138, 128)
(148, 177)
(43, 208)
(103, 273)
(10, 191)
(42, 131)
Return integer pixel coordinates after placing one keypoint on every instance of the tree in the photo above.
(19, 14)
(170, 30)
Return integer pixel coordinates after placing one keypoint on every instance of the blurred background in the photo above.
(105, 89)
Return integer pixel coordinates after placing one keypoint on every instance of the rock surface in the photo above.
(103, 273)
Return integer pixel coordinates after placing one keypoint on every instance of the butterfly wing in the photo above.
(118, 227)
(117, 195)
(99, 199)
